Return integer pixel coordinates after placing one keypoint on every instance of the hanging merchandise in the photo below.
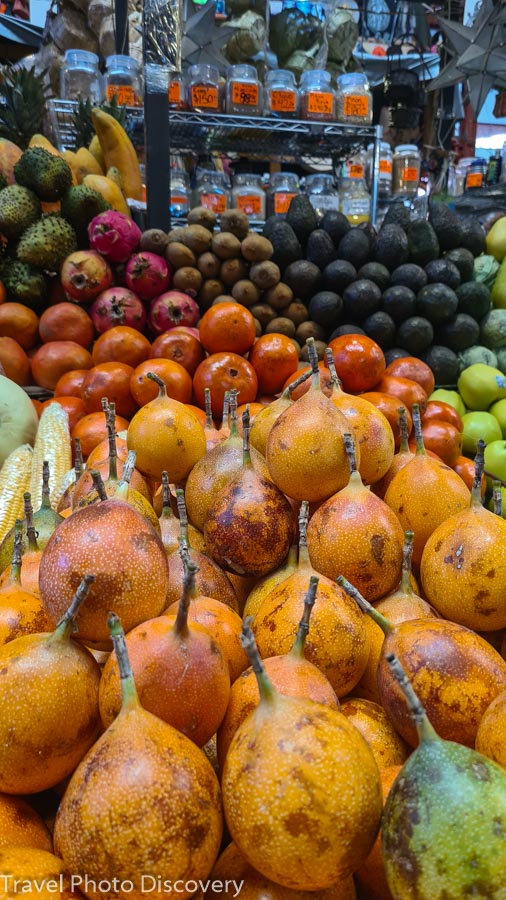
(212, 191)
(123, 80)
(79, 77)
(322, 193)
(244, 91)
(317, 99)
(179, 193)
(204, 89)
(248, 195)
(406, 170)
(283, 187)
(281, 98)
(354, 99)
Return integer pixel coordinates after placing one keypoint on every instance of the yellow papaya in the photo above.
(39, 140)
(118, 151)
(109, 190)
(86, 164)
(96, 151)
(9, 155)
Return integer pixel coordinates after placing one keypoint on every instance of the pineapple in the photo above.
(22, 104)
(82, 123)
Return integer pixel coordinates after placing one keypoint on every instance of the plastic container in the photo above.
(123, 80)
(283, 187)
(281, 97)
(203, 90)
(460, 174)
(322, 193)
(406, 170)
(354, 99)
(317, 100)
(385, 169)
(176, 92)
(79, 77)
(244, 91)
(248, 195)
(179, 193)
(212, 191)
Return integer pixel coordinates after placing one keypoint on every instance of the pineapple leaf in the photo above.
(81, 120)
(22, 102)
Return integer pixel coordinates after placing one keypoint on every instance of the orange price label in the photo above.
(124, 93)
(356, 171)
(174, 92)
(282, 202)
(244, 94)
(249, 204)
(355, 105)
(204, 96)
(474, 180)
(216, 202)
(319, 102)
(283, 101)
(178, 199)
(385, 166)
(411, 174)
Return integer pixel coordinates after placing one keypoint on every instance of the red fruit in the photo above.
(117, 306)
(84, 275)
(148, 275)
(171, 309)
(189, 330)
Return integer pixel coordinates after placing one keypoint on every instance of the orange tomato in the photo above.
(359, 362)
(19, 322)
(176, 379)
(121, 344)
(254, 408)
(274, 358)
(413, 368)
(53, 359)
(227, 326)
(465, 468)
(179, 346)
(91, 430)
(443, 412)
(14, 361)
(222, 372)
(70, 384)
(405, 390)
(325, 381)
(66, 322)
(389, 406)
(111, 380)
(73, 406)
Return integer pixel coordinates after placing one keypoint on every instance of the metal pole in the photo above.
(121, 36)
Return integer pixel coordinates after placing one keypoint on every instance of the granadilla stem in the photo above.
(166, 504)
(312, 355)
(78, 458)
(110, 421)
(31, 534)
(98, 484)
(128, 689)
(479, 465)
(208, 408)
(245, 436)
(349, 446)
(497, 497)
(129, 467)
(303, 629)
(226, 409)
(190, 572)
(417, 423)
(234, 427)
(183, 521)
(407, 556)
(303, 520)
(424, 728)
(161, 384)
(365, 606)
(45, 504)
(17, 550)
(266, 688)
(331, 366)
(67, 623)
(402, 419)
(300, 380)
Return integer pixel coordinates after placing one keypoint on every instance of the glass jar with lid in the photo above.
(212, 190)
(179, 193)
(354, 99)
(244, 91)
(475, 176)
(322, 193)
(283, 187)
(248, 195)
(79, 76)
(406, 170)
(317, 100)
(354, 200)
(203, 90)
(176, 91)
(123, 80)
(384, 169)
(355, 166)
(281, 97)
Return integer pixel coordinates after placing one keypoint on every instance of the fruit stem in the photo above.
(67, 624)
(365, 606)
(417, 424)
(424, 728)
(303, 520)
(45, 504)
(303, 629)
(98, 484)
(494, 477)
(234, 428)
(349, 446)
(226, 409)
(78, 458)
(402, 419)
(161, 384)
(479, 465)
(313, 356)
(497, 497)
(184, 544)
(208, 408)
(190, 572)
(331, 366)
(166, 505)
(407, 556)
(287, 393)
(266, 688)
(128, 689)
(17, 550)
(246, 455)
(123, 485)
(31, 534)
(110, 421)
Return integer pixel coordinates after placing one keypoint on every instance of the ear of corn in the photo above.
(14, 480)
(52, 443)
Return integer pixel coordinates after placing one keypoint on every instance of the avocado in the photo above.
(395, 353)
(375, 272)
(423, 242)
(391, 247)
(474, 299)
(361, 298)
(399, 302)
(336, 225)
(437, 303)
(346, 329)
(459, 333)
(464, 260)
(354, 246)
(398, 214)
(444, 272)
(304, 278)
(410, 275)
(369, 231)
(415, 334)
(320, 249)
(325, 308)
(338, 275)
(287, 248)
(473, 235)
(444, 364)
(380, 327)
(301, 216)
(270, 223)
(446, 224)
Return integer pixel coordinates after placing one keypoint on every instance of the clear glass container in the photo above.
(355, 166)
(283, 187)
(123, 80)
(179, 193)
(281, 97)
(244, 91)
(385, 169)
(79, 76)
(354, 99)
(354, 200)
(212, 190)
(322, 193)
(203, 90)
(406, 170)
(317, 100)
(176, 92)
(248, 195)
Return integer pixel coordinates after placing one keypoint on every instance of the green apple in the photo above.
(496, 239)
(479, 425)
(480, 386)
(495, 461)
(498, 292)
(452, 397)
(498, 410)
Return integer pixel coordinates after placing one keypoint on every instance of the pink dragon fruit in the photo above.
(117, 306)
(171, 309)
(147, 274)
(114, 235)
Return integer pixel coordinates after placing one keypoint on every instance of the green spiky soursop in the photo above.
(47, 242)
(24, 284)
(19, 208)
(3, 181)
(49, 176)
(79, 206)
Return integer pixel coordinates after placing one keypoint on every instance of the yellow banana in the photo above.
(96, 151)
(118, 152)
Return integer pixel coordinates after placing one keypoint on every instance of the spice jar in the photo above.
(406, 170)
(283, 187)
(79, 77)
(354, 200)
(212, 191)
(204, 89)
(322, 193)
(179, 193)
(384, 169)
(355, 166)
(243, 96)
(248, 195)
(281, 98)
(316, 97)
(354, 99)
(476, 174)
(176, 91)
(123, 80)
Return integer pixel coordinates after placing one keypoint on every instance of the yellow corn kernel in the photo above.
(14, 479)
(52, 443)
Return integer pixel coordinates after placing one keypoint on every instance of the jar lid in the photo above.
(201, 70)
(384, 147)
(319, 178)
(118, 61)
(352, 78)
(279, 74)
(242, 71)
(179, 175)
(74, 57)
(213, 175)
(406, 148)
(314, 76)
(247, 178)
(280, 177)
